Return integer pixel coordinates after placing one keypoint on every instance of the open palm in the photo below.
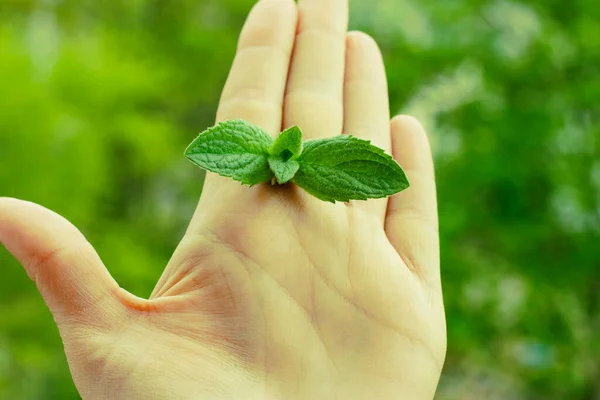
(272, 294)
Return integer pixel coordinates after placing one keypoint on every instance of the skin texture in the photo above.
(272, 294)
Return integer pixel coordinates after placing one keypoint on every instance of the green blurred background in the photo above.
(99, 98)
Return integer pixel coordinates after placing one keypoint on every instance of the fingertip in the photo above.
(407, 123)
(288, 7)
(12, 210)
(360, 38)
(269, 19)
(408, 128)
(362, 46)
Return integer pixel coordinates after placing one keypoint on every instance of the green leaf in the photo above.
(288, 145)
(284, 170)
(235, 149)
(346, 168)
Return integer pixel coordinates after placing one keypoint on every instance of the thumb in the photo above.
(65, 267)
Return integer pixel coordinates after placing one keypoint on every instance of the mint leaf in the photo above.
(288, 145)
(235, 149)
(284, 170)
(346, 168)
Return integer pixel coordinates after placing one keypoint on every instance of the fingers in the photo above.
(366, 103)
(66, 269)
(256, 84)
(412, 220)
(314, 97)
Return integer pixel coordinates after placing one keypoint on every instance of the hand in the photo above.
(272, 294)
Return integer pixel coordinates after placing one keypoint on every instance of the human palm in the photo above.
(272, 294)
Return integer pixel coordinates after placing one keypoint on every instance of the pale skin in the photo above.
(271, 294)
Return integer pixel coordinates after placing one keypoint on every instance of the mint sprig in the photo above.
(283, 154)
(341, 168)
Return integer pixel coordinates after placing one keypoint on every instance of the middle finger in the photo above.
(315, 91)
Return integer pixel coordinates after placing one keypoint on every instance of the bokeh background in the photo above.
(99, 98)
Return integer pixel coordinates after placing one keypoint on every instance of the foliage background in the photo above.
(99, 98)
